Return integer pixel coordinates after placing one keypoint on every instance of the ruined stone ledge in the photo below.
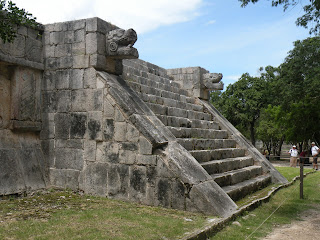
(25, 126)
(21, 62)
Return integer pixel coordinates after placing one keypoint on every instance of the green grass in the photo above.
(286, 205)
(65, 215)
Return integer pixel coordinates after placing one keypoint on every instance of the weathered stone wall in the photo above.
(191, 79)
(23, 165)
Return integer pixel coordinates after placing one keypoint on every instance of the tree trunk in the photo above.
(253, 139)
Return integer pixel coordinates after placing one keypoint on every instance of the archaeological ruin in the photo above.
(79, 110)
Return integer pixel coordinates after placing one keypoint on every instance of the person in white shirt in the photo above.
(293, 156)
(314, 152)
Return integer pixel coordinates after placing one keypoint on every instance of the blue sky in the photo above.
(217, 35)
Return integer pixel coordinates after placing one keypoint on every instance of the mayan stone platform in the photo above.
(79, 110)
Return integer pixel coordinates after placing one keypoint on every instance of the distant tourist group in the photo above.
(294, 154)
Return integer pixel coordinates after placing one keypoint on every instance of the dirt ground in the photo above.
(307, 229)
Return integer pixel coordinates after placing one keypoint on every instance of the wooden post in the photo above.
(301, 177)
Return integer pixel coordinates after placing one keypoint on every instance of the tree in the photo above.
(12, 17)
(299, 87)
(242, 102)
(311, 18)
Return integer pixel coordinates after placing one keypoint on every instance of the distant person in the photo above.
(266, 153)
(314, 152)
(293, 156)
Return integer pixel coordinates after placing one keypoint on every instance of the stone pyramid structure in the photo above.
(86, 114)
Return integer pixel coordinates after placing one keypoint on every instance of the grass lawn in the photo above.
(67, 215)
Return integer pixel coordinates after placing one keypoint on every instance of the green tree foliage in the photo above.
(282, 103)
(12, 17)
(299, 86)
(241, 103)
(311, 17)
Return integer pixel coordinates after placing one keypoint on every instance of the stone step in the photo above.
(142, 66)
(187, 123)
(170, 102)
(244, 188)
(237, 176)
(139, 88)
(182, 132)
(178, 112)
(170, 87)
(228, 164)
(206, 144)
(217, 154)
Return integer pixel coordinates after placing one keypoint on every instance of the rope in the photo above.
(270, 215)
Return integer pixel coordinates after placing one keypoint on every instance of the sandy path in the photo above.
(307, 229)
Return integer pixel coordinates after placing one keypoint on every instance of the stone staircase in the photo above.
(196, 130)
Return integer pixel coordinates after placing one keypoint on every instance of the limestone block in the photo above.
(33, 166)
(16, 48)
(95, 125)
(127, 157)
(56, 37)
(132, 133)
(78, 125)
(49, 101)
(146, 159)
(108, 152)
(77, 76)
(80, 61)
(163, 192)
(145, 147)
(62, 122)
(178, 195)
(209, 198)
(49, 51)
(119, 117)
(72, 143)
(66, 62)
(69, 158)
(22, 30)
(33, 33)
(47, 130)
(128, 146)
(52, 63)
(90, 148)
(78, 24)
(118, 181)
(63, 101)
(79, 35)
(62, 79)
(95, 179)
(138, 182)
(98, 25)
(11, 177)
(151, 175)
(34, 50)
(68, 36)
(91, 43)
(120, 130)
(47, 147)
(62, 50)
(79, 48)
(65, 178)
(89, 78)
(87, 100)
(99, 61)
(108, 129)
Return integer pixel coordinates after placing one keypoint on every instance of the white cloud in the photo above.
(142, 15)
(211, 22)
